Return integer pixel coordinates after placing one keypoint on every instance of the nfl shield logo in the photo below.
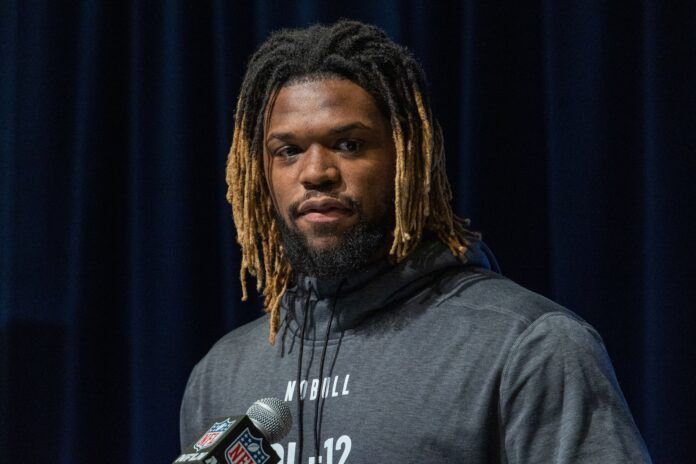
(246, 449)
(213, 433)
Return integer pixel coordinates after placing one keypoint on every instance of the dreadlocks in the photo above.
(390, 74)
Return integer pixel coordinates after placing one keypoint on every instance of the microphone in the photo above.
(243, 439)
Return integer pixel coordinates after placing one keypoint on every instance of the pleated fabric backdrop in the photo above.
(571, 139)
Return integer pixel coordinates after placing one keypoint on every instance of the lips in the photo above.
(323, 210)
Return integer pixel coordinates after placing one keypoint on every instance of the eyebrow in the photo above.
(349, 127)
(288, 136)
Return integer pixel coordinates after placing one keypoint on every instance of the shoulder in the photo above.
(206, 390)
(247, 333)
(249, 337)
(481, 295)
(557, 393)
(483, 290)
(248, 342)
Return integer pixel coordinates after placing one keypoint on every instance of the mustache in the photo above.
(350, 202)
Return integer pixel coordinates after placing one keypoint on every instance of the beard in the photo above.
(356, 246)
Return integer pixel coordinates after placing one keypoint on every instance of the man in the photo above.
(390, 335)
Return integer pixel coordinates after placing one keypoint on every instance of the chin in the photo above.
(323, 243)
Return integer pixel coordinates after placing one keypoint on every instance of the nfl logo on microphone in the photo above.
(213, 433)
(246, 449)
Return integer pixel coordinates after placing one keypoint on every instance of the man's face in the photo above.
(329, 161)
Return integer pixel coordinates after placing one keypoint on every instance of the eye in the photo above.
(287, 151)
(350, 145)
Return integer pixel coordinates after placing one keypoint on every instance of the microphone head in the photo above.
(272, 417)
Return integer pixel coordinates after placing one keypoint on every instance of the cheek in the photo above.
(277, 186)
(268, 177)
(377, 189)
(280, 194)
(386, 179)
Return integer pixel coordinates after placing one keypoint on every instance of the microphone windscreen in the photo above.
(272, 417)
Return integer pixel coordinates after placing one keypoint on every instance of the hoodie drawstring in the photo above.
(317, 428)
(300, 399)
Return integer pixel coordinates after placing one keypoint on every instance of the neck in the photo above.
(354, 297)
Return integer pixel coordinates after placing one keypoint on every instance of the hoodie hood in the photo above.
(354, 297)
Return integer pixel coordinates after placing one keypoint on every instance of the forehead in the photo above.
(329, 101)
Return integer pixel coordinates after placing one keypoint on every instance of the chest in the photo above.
(376, 400)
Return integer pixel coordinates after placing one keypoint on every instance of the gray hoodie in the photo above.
(430, 360)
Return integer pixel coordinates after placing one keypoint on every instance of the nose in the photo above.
(319, 170)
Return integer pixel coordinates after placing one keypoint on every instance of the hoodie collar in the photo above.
(367, 290)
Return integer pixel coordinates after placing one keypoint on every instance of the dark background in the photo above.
(571, 139)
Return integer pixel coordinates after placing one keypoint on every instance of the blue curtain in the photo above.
(571, 139)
